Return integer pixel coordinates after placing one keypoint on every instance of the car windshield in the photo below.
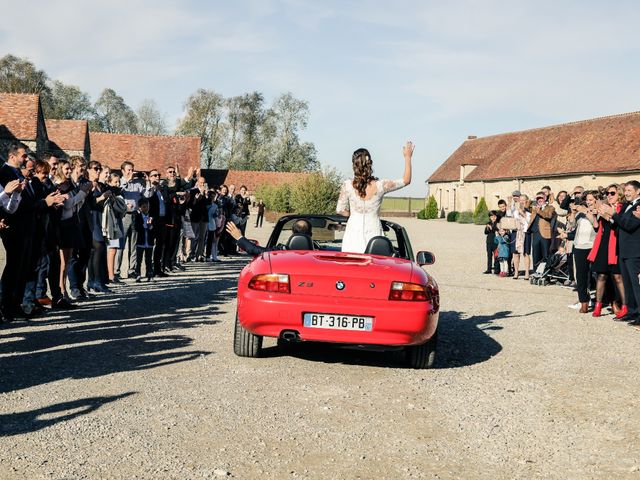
(329, 232)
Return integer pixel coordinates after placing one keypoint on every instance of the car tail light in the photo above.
(271, 282)
(408, 292)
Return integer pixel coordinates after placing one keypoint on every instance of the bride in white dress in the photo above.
(361, 197)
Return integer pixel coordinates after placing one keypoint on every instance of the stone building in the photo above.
(590, 153)
(21, 118)
(68, 138)
(146, 151)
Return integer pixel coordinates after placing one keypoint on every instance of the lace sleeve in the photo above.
(343, 199)
(391, 185)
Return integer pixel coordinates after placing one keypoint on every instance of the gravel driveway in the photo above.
(144, 384)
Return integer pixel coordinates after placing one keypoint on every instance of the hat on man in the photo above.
(516, 193)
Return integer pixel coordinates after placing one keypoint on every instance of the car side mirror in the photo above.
(425, 258)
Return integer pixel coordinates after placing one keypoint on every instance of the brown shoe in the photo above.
(584, 307)
(44, 301)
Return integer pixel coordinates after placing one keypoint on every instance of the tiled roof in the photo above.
(68, 134)
(606, 144)
(19, 115)
(145, 151)
(253, 179)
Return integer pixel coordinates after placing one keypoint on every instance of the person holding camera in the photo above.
(583, 237)
(542, 216)
(134, 185)
(199, 204)
(574, 197)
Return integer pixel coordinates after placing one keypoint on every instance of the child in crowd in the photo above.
(490, 231)
(145, 242)
(502, 242)
(215, 218)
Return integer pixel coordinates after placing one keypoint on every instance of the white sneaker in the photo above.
(575, 306)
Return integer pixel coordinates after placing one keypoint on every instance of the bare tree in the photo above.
(113, 114)
(204, 112)
(150, 120)
(19, 75)
(67, 102)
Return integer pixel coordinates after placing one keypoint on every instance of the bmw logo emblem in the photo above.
(340, 285)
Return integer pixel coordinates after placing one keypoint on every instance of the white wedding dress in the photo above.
(364, 214)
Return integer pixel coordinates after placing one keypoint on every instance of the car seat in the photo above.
(380, 245)
(299, 241)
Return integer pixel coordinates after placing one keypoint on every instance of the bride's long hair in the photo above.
(362, 170)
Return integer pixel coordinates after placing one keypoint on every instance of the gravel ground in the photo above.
(144, 384)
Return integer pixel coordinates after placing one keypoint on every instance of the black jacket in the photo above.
(154, 201)
(628, 231)
(149, 232)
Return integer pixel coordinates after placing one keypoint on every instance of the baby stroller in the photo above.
(552, 269)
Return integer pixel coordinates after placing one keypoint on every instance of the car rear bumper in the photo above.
(395, 322)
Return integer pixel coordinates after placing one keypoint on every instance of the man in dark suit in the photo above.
(23, 238)
(158, 210)
(629, 248)
(301, 226)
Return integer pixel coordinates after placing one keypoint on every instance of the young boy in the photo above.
(490, 231)
(502, 242)
(144, 244)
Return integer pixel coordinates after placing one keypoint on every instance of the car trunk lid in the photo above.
(338, 274)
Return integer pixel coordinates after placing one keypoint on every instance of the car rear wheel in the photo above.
(245, 343)
(423, 356)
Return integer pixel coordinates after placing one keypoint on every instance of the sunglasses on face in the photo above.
(612, 193)
(171, 172)
(154, 175)
(97, 169)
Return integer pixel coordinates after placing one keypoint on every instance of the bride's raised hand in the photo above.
(408, 149)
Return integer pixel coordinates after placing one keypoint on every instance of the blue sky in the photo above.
(374, 73)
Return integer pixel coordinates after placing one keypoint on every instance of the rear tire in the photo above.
(423, 356)
(245, 343)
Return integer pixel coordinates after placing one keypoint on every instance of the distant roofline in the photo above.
(21, 94)
(143, 135)
(548, 127)
(530, 177)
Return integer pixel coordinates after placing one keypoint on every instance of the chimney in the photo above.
(472, 137)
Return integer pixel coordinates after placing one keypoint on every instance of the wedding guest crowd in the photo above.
(596, 232)
(70, 227)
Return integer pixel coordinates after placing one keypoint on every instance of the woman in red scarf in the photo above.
(604, 256)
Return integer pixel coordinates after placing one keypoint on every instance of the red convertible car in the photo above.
(306, 289)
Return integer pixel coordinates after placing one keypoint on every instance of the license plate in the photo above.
(338, 322)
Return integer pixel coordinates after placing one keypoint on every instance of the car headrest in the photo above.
(300, 241)
(380, 246)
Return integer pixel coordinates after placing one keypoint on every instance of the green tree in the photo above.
(291, 116)
(19, 75)
(318, 193)
(113, 115)
(67, 102)
(150, 120)
(465, 217)
(234, 129)
(277, 198)
(251, 118)
(481, 213)
(204, 115)
(431, 210)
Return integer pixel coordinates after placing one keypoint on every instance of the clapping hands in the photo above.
(13, 186)
(55, 199)
(605, 210)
